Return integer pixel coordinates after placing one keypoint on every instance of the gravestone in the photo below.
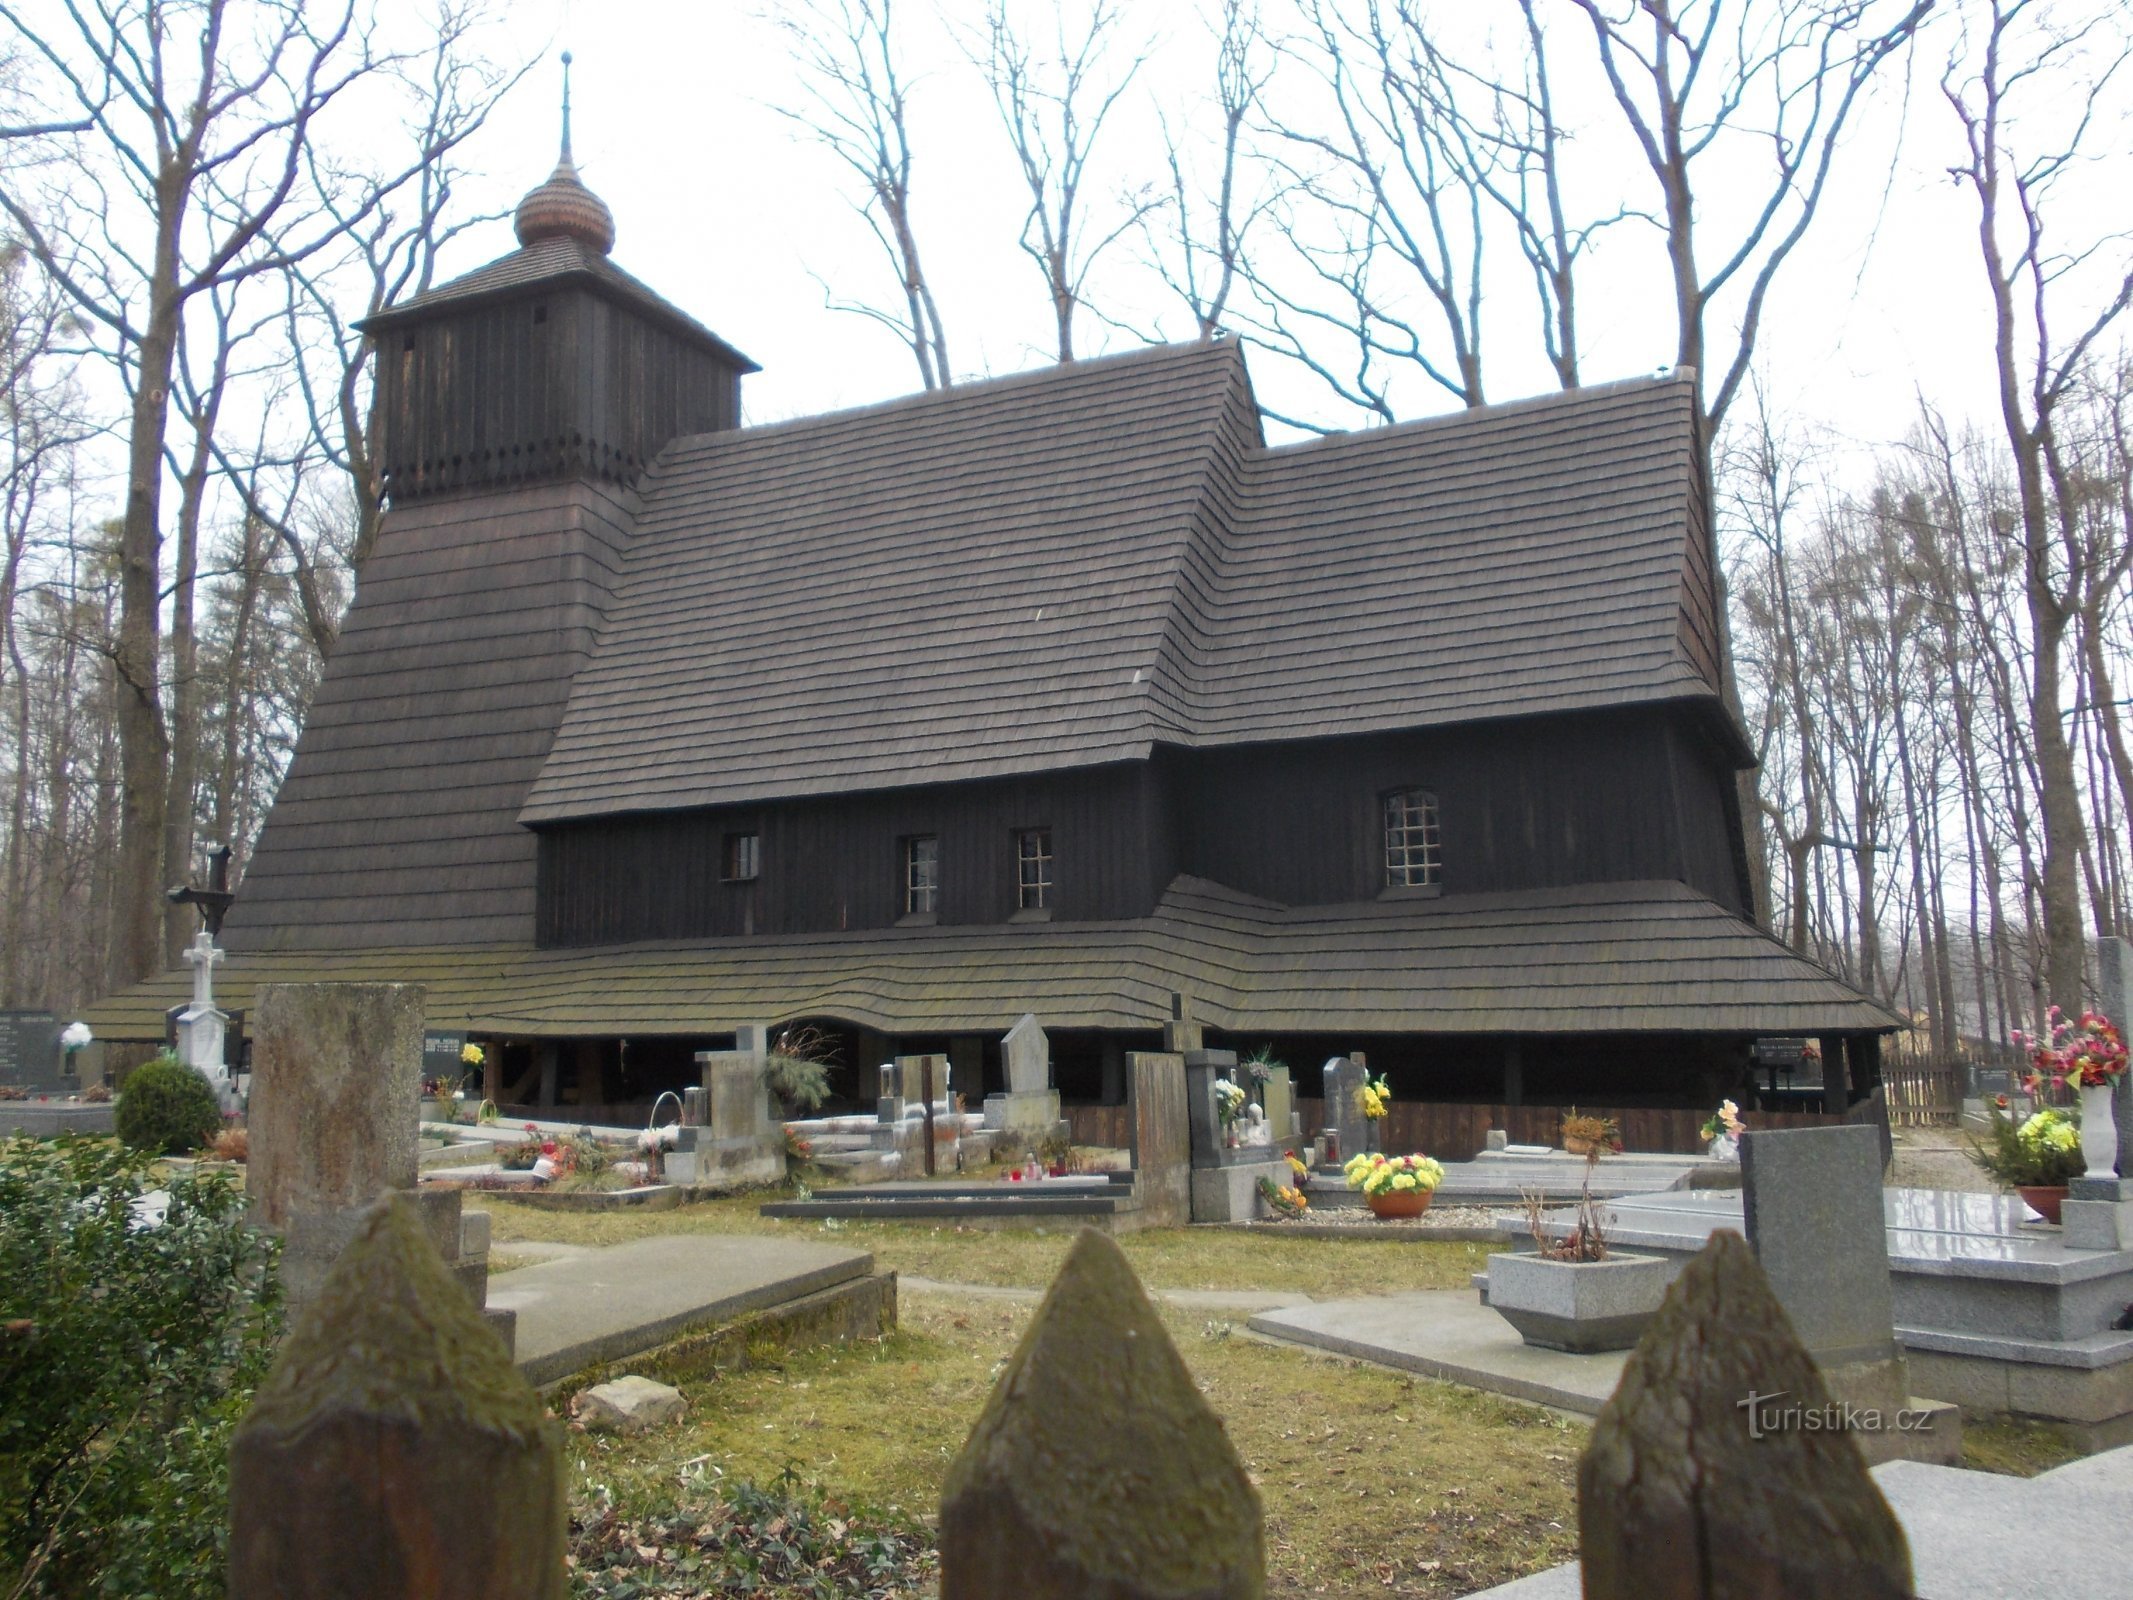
(336, 1086)
(743, 1142)
(1162, 1137)
(2097, 1213)
(203, 1026)
(1278, 1096)
(1030, 1107)
(1811, 1198)
(30, 1056)
(1203, 1070)
(1356, 1133)
(1225, 1177)
(926, 1078)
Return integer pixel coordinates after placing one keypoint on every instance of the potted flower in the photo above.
(1394, 1186)
(2036, 1157)
(1722, 1132)
(1577, 1293)
(2090, 1056)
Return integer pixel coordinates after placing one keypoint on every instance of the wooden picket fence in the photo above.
(395, 1454)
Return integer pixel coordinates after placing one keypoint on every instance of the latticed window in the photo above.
(1033, 868)
(1410, 838)
(922, 874)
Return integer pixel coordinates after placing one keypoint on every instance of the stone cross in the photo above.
(202, 1025)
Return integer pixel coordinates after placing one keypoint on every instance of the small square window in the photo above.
(743, 857)
(1410, 839)
(922, 874)
(1033, 869)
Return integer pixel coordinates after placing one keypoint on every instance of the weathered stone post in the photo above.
(394, 1452)
(336, 1097)
(1712, 1472)
(1097, 1468)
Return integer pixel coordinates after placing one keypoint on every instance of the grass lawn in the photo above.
(1373, 1483)
(1166, 1258)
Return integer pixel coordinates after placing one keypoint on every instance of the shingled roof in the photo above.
(554, 260)
(1622, 957)
(1076, 565)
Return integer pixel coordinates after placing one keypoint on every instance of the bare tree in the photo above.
(2033, 58)
(1692, 77)
(1054, 104)
(1201, 259)
(171, 193)
(859, 108)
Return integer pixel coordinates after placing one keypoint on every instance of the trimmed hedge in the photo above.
(167, 1109)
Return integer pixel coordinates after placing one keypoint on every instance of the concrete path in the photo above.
(612, 1303)
(1980, 1536)
(1240, 1300)
(1448, 1333)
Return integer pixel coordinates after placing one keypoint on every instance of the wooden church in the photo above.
(1063, 693)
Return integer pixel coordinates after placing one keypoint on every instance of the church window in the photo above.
(922, 874)
(1411, 859)
(1033, 869)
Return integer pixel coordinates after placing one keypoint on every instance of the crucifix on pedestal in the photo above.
(202, 1025)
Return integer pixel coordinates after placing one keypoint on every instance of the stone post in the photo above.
(1097, 1468)
(394, 1450)
(2114, 974)
(1685, 1494)
(336, 1095)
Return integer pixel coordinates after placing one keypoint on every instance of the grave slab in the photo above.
(1979, 1535)
(614, 1303)
(1446, 1333)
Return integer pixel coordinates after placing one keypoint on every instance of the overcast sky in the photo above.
(722, 205)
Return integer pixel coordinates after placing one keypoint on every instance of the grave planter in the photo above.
(1579, 1306)
(2043, 1199)
(1408, 1203)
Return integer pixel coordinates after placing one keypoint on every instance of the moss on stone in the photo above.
(1097, 1447)
(393, 1336)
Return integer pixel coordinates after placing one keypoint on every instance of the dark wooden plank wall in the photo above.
(1594, 798)
(1460, 1132)
(485, 394)
(1526, 804)
(836, 863)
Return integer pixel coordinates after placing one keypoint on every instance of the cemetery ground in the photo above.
(1374, 1482)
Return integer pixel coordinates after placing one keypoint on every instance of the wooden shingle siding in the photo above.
(397, 821)
(1623, 958)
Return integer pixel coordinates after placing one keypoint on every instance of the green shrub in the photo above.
(129, 1347)
(167, 1108)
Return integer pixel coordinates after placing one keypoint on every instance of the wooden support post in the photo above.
(1097, 1467)
(1836, 1076)
(1692, 1490)
(545, 1052)
(394, 1452)
(1514, 1074)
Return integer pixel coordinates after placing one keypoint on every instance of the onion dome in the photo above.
(563, 208)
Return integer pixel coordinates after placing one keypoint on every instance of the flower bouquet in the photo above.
(2089, 1056)
(1376, 1098)
(1230, 1103)
(1394, 1186)
(1283, 1200)
(2036, 1157)
(1722, 1132)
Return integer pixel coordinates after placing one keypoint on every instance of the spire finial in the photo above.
(566, 109)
